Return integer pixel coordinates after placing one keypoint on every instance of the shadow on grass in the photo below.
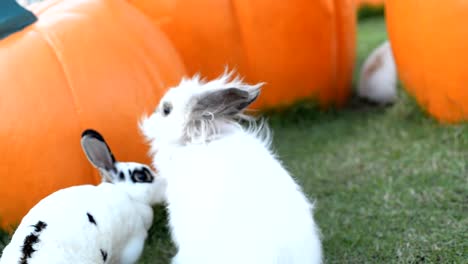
(369, 11)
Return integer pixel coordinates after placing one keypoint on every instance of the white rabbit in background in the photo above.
(378, 77)
(230, 200)
(86, 224)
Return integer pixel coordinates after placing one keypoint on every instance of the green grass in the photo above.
(390, 184)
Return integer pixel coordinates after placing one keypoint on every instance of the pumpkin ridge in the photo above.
(345, 61)
(235, 17)
(336, 50)
(74, 100)
(422, 23)
(324, 94)
(153, 79)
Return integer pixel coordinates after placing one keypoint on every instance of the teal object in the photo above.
(13, 17)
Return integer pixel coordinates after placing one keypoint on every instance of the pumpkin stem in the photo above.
(13, 17)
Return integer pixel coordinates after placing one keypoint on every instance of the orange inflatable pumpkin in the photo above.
(84, 64)
(430, 44)
(300, 48)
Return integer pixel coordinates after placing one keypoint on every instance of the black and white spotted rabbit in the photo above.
(107, 223)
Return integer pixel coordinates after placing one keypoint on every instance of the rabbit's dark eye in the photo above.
(166, 108)
(142, 175)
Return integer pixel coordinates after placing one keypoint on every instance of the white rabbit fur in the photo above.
(378, 77)
(229, 198)
(107, 223)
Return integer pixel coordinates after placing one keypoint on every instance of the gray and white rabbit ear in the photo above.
(98, 153)
(225, 102)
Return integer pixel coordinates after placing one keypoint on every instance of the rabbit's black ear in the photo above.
(224, 102)
(97, 151)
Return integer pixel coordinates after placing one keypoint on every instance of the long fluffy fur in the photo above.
(229, 198)
(205, 130)
(210, 128)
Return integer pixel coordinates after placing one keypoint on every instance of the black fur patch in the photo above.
(30, 240)
(121, 176)
(39, 226)
(104, 255)
(91, 219)
(142, 175)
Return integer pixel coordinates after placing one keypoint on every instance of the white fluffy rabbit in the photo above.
(85, 224)
(378, 77)
(230, 200)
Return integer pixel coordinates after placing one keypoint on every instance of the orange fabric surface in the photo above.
(85, 64)
(430, 45)
(299, 48)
